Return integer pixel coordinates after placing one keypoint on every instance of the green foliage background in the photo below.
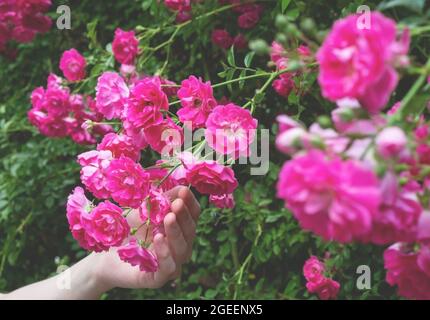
(256, 250)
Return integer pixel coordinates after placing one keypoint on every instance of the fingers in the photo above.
(175, 238)
(166, 263)
(188, 197)
(186, 222)
(190, 201)
(174, 193)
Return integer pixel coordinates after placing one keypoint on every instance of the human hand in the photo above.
(172, 250)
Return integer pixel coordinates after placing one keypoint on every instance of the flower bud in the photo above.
(281, 38)
(390, 142)
(308, 25)
(324, 121)
(286, 123)
(259, 46)
(292, 30)
(291, 140)
(281, 21)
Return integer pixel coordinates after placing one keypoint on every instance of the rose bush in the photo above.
(354, 180)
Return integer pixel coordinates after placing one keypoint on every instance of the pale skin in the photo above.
(100, 272)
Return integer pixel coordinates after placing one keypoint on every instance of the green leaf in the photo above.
(293, 14)
(210, 293)
(230, 57)
(413, 5)
(248, 59)
(92, 33)
(284, 5)
(146, 4)
(293, 98)
(229, 76)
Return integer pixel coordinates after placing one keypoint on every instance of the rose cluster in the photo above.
(112, 172)
(21, 20)
(362, 175)
(317, 282)
(280, 57)
(249, 15)
(57, 112)
(181, 7)
(132, 112)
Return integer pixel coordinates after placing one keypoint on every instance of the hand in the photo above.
(172, 250)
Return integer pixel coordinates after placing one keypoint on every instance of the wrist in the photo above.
(98, 278)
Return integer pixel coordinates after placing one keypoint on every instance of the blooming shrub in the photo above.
(378, 193)
(20, 21)
(354, 180)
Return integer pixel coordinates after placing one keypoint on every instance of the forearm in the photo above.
(78, 282)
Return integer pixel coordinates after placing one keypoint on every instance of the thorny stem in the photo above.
(234, 252)
(173, 35)
(127, 212)
(168, 175)
(253, 76)
(403, 110)
(246, 262)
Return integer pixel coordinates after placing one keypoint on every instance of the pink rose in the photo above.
(77, 206)
(156, 207)
(222, 38)
(165, 137)
(209, 177)
(407, 269)
(186, 159)
(391, 142)
(94, 164)
(286, 123)
(284, 84)
(224, 201)
(111, 95)
(49, 109)
(77, 133)
(313, 269)
(119, 145)
(56, 102)
(358, 62)
(399, 213)
(147, 99)
(423, 230)
(277, 52)
(423, 152)
(333, 198)
(106, 225)
(127, 181)
(125, 46)
(304, 51)
(250, 17)
(73, 65)
(230, 130)
(325, 289)
(183, 16)
(136, 255)
(197, 101)
(136, 134)
(178, 5)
